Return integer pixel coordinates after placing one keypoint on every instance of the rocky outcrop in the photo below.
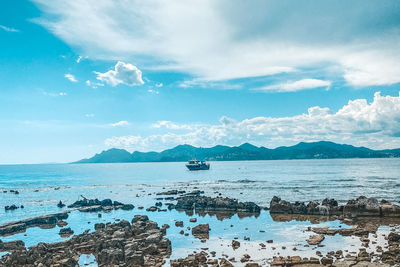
(12, 245)
(201, 231)
(197, 259)
(141, 243)
(359, 207)
(66, 232)
(95, 205)
(47, 221)
(327, 207)
(217, 204)
(315, 239)
(13, 207)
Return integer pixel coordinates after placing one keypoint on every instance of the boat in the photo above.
(197, 165)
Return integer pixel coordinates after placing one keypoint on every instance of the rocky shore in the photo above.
(204, 203)
(360, 207)
(139, 243)
(46, 221)
(143, 243)
(95, 205)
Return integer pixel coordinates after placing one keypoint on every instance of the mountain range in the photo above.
(246, 151)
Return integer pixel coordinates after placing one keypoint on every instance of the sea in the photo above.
(40, 187)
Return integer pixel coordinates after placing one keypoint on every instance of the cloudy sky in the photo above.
(78, 77)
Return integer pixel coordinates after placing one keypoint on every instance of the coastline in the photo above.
(375, 247)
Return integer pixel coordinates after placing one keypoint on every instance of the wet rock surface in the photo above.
(200, 259)
(221, 207)
(95, 205)
(201, 231)
(141, 243)
(46, 221)
(360, 207)
(13, 207)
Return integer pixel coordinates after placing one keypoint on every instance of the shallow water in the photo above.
(42, 186)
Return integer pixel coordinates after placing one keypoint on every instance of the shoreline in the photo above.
(194, 205)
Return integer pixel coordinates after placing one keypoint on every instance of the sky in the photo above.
(78, 77)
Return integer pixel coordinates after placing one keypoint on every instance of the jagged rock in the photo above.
(315, 239)
(361, 206)
(225, 263)
(95, 205)
(12, 207)
(235, 244)
(61, 223)
(218, 205)
(99, 226)
(21, 226)
(201, 231)
(60, 204)
(394, 237)
(179, 224)
(66, 232)
(141, 243)
(197, 259)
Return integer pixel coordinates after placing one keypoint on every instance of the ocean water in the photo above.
(40, 187)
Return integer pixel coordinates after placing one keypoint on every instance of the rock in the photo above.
(61, 223)
(60, 204)
(141, 243)
(66, 232)
(127, 207)
(197, 259)
(95, 205)
(245, 258)
(179, 224)
(394, 237)
(201, 231)
(21, 226)
(225, 263)
(326, 261)
(235, 244)
(12, 207)
(218, 204)
(99, 226)
(193, 220)
(315, 239)
(152, 208)
(362, 206)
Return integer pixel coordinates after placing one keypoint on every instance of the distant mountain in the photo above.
(303, 150)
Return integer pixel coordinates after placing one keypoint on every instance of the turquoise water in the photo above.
(42, 186)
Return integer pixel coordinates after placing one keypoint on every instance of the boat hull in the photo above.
(198, 167)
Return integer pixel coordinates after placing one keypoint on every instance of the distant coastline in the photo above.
(246, 151)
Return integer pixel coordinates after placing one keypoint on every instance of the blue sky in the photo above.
(78, 77)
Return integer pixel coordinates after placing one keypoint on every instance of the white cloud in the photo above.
(70, 77)
(8, 29)
(218, 40)
(372, 68)
(62, 93)
(152, 91)
(120, 123)
(159, 85)
(303, 84)
(172, 126)
(123, 73)
(89, 115)
(92, 84)
(375, 124)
